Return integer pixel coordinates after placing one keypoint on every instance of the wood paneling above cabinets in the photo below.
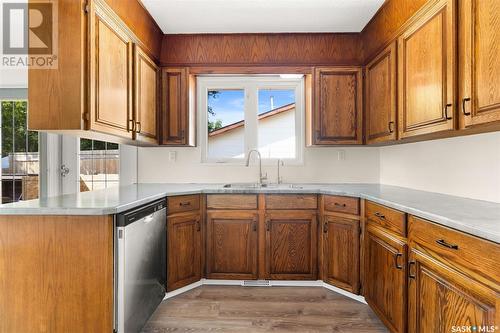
(479, 65)
(380, 97)
(281, 49)
(337, 106)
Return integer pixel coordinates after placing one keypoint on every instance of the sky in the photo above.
(229, 104)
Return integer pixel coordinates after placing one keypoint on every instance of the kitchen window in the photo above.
(238, 114)
(20, 157)
(99, 165)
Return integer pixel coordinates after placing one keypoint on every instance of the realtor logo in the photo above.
(29, 34)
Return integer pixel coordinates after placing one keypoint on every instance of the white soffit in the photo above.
(254, 16)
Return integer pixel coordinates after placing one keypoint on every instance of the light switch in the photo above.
(341, 155)
(172, 156)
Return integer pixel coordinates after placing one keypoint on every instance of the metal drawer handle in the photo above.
(444, 243)
(138, 126)
(254, 225)
(445, 111)
(467, 99)
(325, 227)
(198, 225)
(411, 263)
(268, 225)
(339, 205)
(185, 204)
(391, 129)
(396, 257)
(380, 215)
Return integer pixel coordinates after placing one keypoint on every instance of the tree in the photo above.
(213, 125)
(15, 136)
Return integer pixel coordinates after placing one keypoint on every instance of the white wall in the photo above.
(467, 166)
(361, 165)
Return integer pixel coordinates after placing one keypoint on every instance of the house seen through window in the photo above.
(251, 113)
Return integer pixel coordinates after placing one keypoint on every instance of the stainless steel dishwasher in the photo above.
(140, 265)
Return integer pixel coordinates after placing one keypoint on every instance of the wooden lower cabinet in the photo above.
(232, 245)
(291, 245)
(341, 252)
(385, 277)
(184, 249)
(442, 299)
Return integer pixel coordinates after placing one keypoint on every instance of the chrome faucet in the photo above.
(280, 163)
(261, 176)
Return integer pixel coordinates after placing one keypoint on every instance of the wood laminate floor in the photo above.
(263, 309)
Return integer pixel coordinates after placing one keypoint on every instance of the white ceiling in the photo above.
(251, 16)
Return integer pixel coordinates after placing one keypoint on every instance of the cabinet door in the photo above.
(381, 97)
(479, 66)
(341, 252)
(176, 117)
(426, 72)
(110, 75)
(338, 106)
(291, 248)
(441, 298)
(145, 97)
(385, 277)
(184, 250)
(232, 245)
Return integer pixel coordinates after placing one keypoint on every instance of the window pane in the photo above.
(276, 123)
(20, 160)
(226, 125)
(99, 165)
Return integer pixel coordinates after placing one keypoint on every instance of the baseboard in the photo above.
(272, 283)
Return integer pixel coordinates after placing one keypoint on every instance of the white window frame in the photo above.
(250, 85)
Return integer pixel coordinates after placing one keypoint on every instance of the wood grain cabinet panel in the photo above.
(337, 113)
(232, 245)
(183, 203)
(175, 112)
(380, 84)
(110, 75)
(291, 248)
(426, 72)
(388, 218)
(479, 66)
(341, 252)
(146, 101)
(184, 249)
(441, 298)
(385, 277)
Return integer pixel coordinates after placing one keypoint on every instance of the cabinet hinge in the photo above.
(86, 116)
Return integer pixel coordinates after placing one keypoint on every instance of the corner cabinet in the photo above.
(337, 110)
(380, 99)
(291, 245)
(178, 128)
(479, 66)
(426, 72)
(146, 101)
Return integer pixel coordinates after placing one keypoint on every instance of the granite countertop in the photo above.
(476, 217)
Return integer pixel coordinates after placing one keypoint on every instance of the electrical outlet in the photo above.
(172, 156)
(341, 155)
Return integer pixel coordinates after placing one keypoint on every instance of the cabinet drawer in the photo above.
(291, 201)
(183, 203)
(334, 203)
(456, 248)
(232, 201)
(386, 217)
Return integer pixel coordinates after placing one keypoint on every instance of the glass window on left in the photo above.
(99, 165)
(20, 157)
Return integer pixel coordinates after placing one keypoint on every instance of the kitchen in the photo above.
(309, 166)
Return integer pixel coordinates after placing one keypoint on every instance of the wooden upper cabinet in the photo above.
(426, 72)
(441, 298)
(385, 277)
(380, 84)
(479, 66)
(232, 245)
(177, 117)
(184, 249)
(337, 112)
(341, 252)
(110, 75)
(291, 247)
(146, 101)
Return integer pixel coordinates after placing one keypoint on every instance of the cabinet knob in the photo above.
(466, 99)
